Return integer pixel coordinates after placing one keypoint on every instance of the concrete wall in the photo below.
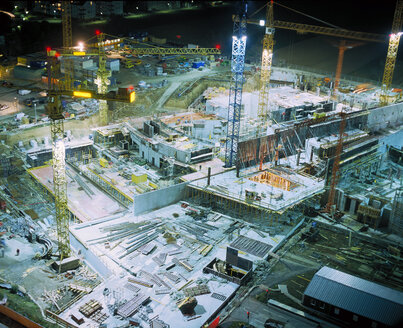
(281, 74)
(92, 260)
(150, 155)
(159, 198)
(395, 140)
(213, 129)
(79, 129)
(387, 116)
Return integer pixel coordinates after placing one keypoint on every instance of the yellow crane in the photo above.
(268, 42)
(149, 50)
(55, 113)
(102, 79)
(265, 71)
(394, 39)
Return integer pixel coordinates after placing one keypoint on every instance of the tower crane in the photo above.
(268, 42)
(394, 39)
(98, 49)
(55, 113)
(343, 46)
(102, 79)
(336, 164)
(67, 44)
(265, 71)
(235, 92)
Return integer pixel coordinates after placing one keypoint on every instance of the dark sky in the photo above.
(211, 26)
(361, 15)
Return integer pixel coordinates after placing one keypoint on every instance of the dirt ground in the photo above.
(299, 264)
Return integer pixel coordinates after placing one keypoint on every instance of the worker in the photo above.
(18, 252)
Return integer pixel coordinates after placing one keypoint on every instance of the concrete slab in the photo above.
(186, 246)
(83, 206)
(273, 198)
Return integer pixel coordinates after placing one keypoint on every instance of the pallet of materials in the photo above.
(132, 306)
(90, 308)
(196, 291)
(140, 282)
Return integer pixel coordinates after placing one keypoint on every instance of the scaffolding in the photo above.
(275, 180)
(396, 219)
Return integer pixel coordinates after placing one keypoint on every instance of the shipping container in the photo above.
(21, 61)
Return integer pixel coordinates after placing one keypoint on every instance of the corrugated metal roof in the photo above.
(357, 295)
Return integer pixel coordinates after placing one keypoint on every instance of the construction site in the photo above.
(145, 184)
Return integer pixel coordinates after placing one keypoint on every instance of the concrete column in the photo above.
(298, 156)
(352, 206)
(208, 175)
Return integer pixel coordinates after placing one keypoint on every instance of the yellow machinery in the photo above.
(139, 178)
(392, 52)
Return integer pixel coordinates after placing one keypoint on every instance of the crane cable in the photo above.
(298, 12)
(314, 18)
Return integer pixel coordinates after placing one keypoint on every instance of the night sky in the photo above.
(212, 25)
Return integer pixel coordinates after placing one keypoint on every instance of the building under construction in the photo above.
(211, 191)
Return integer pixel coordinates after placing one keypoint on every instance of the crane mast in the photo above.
(265, 71)
(235, 92)
(102, 80)
(394, 40)
(67, 44)
(336, 164)
(55, 113)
